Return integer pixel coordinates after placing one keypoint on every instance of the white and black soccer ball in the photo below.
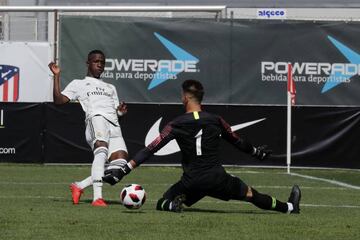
(133, 196)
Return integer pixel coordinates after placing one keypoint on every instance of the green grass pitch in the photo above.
(35, 203)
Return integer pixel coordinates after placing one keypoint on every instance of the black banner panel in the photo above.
(321, 136)
(21, 132)
(65, 135)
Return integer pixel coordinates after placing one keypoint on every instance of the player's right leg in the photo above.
(97, 136)
(267, 202)
(235, 188)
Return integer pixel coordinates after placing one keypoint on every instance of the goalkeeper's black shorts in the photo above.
(224, 187)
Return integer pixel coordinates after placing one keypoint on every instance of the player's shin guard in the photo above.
(97, 170)
(116, 164)
(267, 202)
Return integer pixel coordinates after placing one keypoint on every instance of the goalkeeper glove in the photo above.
(261, 152)
(113, 176)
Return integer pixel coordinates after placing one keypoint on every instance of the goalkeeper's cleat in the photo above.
(295, 197)
(99, 203)
(75, 193)
(177, 203)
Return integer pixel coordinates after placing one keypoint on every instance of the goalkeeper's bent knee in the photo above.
(163, 204)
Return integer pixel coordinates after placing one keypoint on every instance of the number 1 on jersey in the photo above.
(198, 143)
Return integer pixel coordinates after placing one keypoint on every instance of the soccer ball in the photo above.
(133, 196)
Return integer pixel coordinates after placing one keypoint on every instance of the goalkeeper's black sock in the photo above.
(267, 202)
(163, 204)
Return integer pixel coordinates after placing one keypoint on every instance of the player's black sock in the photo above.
(266, 202)
(163, 204)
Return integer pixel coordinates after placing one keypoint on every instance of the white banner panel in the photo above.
(24, 75)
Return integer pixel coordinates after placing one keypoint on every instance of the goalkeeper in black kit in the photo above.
(198, 134)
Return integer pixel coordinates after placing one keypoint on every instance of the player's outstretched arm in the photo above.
(261, 152)
(58, 97)
(113, 176)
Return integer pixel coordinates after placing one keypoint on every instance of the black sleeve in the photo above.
(165, 136)
(234, 139)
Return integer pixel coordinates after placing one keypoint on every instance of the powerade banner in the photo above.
(239, 62)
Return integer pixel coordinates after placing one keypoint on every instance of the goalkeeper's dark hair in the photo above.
(96, 51)
(195, 88)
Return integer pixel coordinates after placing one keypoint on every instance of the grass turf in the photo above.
(35, 203)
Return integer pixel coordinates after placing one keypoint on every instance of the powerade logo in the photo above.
(158, 71)
(271, 13)
(329, 74)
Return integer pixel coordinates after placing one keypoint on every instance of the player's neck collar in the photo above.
(92, 78)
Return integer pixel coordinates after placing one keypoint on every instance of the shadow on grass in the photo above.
(198, 210)
(195, 210)
(112, 202)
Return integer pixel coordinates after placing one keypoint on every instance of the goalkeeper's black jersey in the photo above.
(198, 135)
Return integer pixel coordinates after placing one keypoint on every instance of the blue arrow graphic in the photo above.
(350, 55)
(162, 74)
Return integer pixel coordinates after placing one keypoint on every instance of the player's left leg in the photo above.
(117, 148)
(117, 154)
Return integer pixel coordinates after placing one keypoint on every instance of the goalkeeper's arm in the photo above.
(260, 152)
(114, 176)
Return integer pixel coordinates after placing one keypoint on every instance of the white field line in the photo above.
(202, 201)
(169, 184)
(342, 184)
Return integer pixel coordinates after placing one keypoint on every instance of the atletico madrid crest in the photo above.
(9, 83)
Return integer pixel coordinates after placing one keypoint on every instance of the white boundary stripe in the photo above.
(329, 206)
(169, 184)
(327, 180)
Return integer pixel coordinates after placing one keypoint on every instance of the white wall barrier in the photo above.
(24, 75)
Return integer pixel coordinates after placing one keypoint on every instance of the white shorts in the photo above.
(100, 129)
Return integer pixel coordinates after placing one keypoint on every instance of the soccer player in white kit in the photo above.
(101, 105)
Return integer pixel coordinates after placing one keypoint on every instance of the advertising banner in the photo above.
(238, 61)
(21, 132)
(332, 144)
(44, 132)
(24, 75)
(328, 146)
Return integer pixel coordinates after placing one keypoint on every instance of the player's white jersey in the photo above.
(95, 96)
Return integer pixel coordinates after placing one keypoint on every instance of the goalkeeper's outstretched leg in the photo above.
(267, 202)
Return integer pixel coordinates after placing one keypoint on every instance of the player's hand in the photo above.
(54, 68)
(113, 176)
(122, 109)
(261, 152)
